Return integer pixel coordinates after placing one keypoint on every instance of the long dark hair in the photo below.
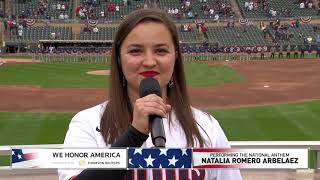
(118, 114)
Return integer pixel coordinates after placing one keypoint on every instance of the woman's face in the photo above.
(148, 51)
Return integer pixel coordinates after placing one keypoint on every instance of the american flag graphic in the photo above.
(159, 158)
(162, 158)
(24, 158)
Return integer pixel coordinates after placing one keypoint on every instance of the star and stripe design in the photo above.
(159, 158)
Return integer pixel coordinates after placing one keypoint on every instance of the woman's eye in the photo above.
(161, 51)
(134, 51)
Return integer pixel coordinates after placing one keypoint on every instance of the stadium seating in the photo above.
(29, 9)
(108, 33)
(196, 7)
(188, 37)
(277, 5)
(298, 34)
(248, 35)
(225, 36)
(104, 33)
(164, 5)
(114, 15)
(237, 36)
(34, 34)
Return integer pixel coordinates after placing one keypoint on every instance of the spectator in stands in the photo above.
(95, 30)
(61, 16)
(63, 7)
(77, 9)
(273, 13)
(300, 35)
(246, 6)
(176, 12)
(102, 13)
(189, 27)
(124, 2)
(58, 6)
(183, 28)
(309, 39)
(20, 33)
(53, 35)
(190, 15)
(92, 14)
(286, 12)
(204, 30)
(293, 24)
(82, 14)
(216, 17)
(250, 8)
(188, 5)
(211, 12)
(298, 23)
(12, 27)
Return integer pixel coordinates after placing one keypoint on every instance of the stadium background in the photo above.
(46, 55)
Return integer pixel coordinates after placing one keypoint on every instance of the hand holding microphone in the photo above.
(149, 111)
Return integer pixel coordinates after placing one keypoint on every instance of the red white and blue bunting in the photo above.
(92, 23)
(243, 21)
(31, 22)
(306, 19)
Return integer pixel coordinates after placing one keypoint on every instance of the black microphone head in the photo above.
(149, 86)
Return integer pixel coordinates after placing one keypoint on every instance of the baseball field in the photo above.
(267, 100)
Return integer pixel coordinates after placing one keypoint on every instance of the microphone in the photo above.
(152, 86)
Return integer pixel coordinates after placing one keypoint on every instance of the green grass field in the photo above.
(74, 75)
(285, 122)
(53, 75)
(5, 160)
(33, 128)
